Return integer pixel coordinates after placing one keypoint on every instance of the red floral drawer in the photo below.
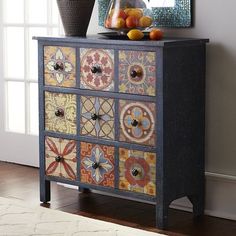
(60, 112)
(97, 117)
(97, 164)
(137, 122)
(137, 171)
(137, 72)
(60, 66)
(60, 158)
(97, 69)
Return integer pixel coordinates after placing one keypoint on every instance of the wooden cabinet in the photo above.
(124, 117)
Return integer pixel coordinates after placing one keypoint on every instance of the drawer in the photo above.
(60, 158)
(137, 72)
(97, 164)
(137, 171)
(60, 66)
(97, 117)
(137, 122)
(97, 69)
(60, 112)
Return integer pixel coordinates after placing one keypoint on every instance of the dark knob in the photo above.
(135, 172)
(135, 73)
(59, 112)
(134, 123)
(95, 69)
(58, 66)
(95, 165)
(58, 159)
(94, 116)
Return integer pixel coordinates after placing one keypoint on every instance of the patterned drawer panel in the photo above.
(97, 69)
(137, 171)
(97, 117)
(60, 66)
(60, 112)
(137, 72)
(97, 164)
(137, 122)
(60, 158)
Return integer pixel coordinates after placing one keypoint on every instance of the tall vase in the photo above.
(75, 16)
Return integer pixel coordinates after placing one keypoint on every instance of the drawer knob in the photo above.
(59, 112)
(58, 158)
(96, 69)
(94, 116)
(135, 73)
(95, 165)
(58, 66)
(134, 123)
(135, 172)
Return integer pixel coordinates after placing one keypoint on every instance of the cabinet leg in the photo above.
(45, 195)
(198, 204)
(162, 216)
(84, 190)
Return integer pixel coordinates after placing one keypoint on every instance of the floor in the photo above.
(22, 182)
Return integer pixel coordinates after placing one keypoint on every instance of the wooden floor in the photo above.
(22, 182)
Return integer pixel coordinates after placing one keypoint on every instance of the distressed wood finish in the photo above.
(141, 141)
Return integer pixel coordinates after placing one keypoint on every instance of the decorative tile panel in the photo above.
(97, 117)
(60, 112)
(97, 164)
(137, 122)
(137, 171)
(97, 69)
(60, 66)
(137, 72)
(60, 157)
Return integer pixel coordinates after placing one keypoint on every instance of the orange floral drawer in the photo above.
(97, 164)
(137, 171)
(60, 66)
(60, 158)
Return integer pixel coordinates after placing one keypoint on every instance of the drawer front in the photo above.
(137, 72)
(137, 171)
(97, 164)
(60, 112)
(97, 69)
(97, 117)
(60, 158)
(137, 122)
(60, 66)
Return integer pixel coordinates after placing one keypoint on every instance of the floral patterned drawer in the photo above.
(97, 164)
(60, 112)
(60, 158)
(97, 69)
(137, 72)
(137, 171)
(137, 122)
(97, 117)
(60, 66)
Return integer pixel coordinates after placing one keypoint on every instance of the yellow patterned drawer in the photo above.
(97, 69)
(60, 112)
(137, 171)
(60, 158)
(137, 122)
(60, 66)
(137, 72)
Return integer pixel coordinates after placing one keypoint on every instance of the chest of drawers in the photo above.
(123, 117)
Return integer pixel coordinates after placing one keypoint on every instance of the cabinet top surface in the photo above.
(97, 39)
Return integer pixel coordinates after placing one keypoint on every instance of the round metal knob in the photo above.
(58, 66)
(95, 69)
(134, 123)
(58, 159)
(135, 73)
(135, 172)
(95, 165)
(59, 112)
(94, 116)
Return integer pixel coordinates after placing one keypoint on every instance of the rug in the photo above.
(19, 219)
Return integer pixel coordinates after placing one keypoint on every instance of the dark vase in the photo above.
(75, 16)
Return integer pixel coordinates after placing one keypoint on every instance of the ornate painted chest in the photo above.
(124, 117)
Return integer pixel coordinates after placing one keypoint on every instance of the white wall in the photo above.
(215, 19)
